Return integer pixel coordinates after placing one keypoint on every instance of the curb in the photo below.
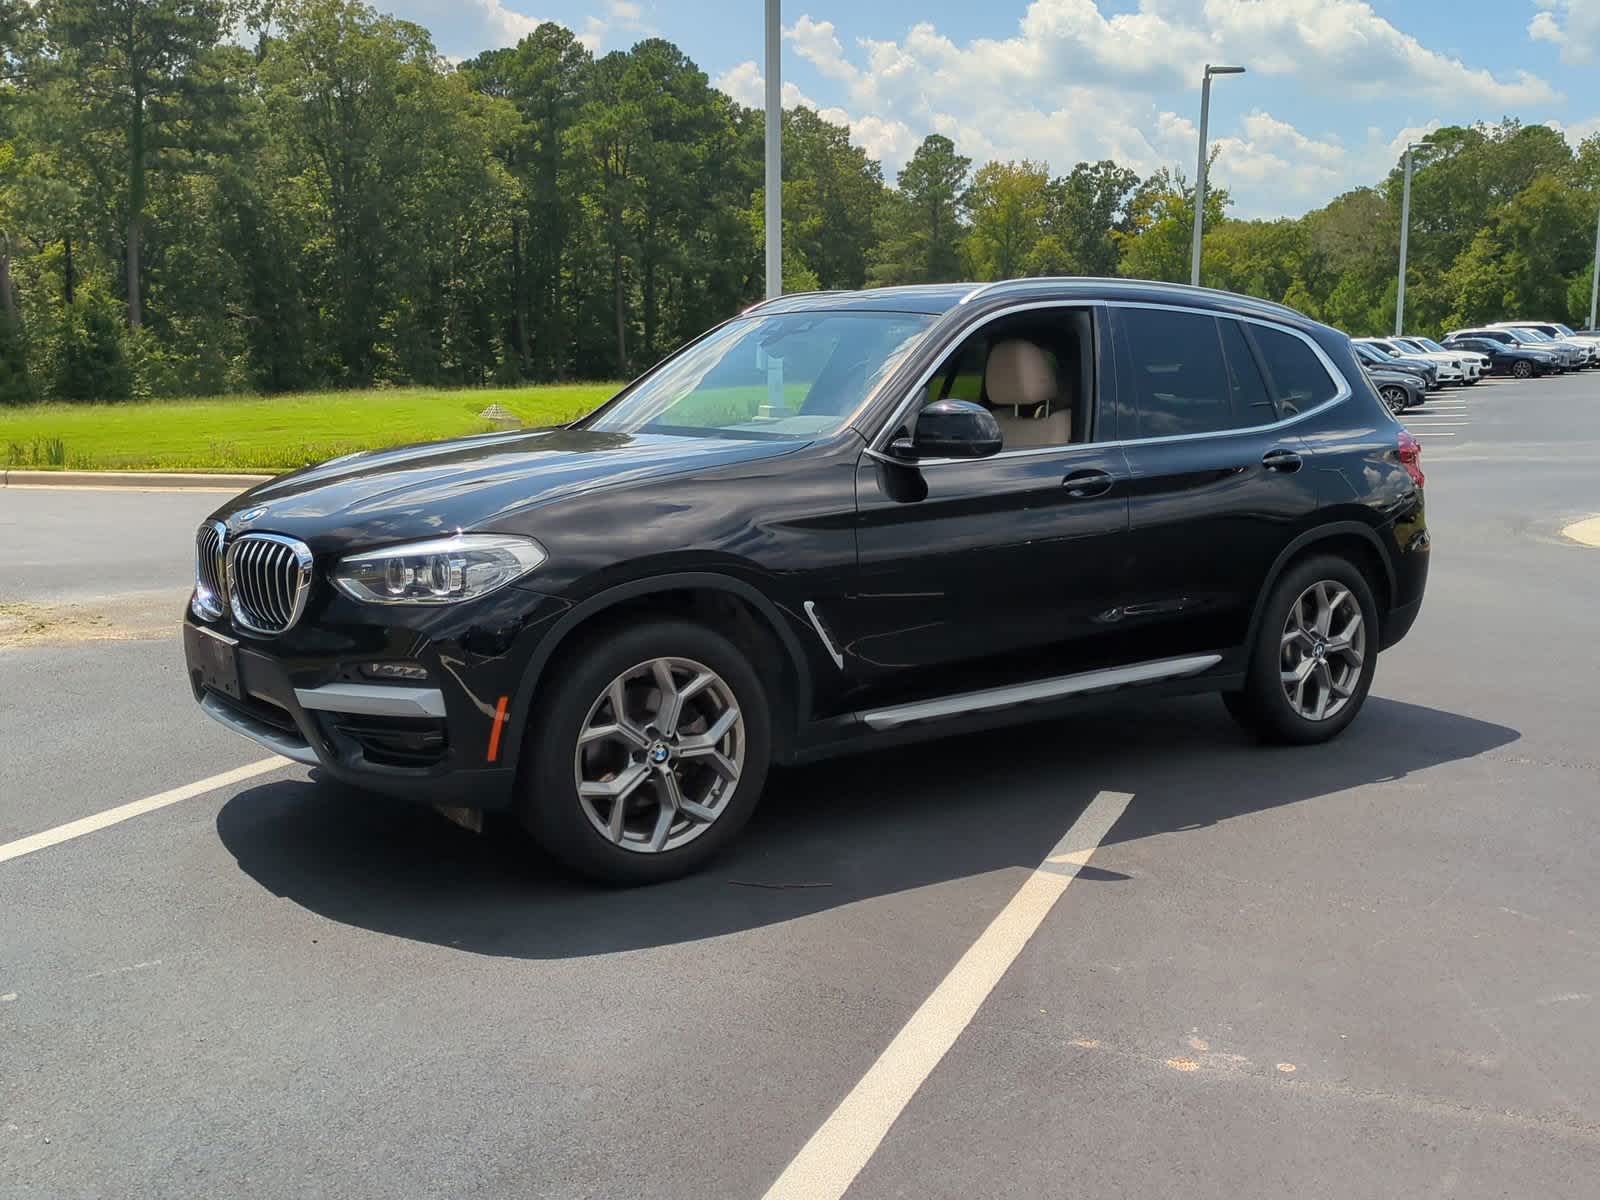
(162, 480)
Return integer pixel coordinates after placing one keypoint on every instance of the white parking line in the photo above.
(836, 1153)
(136, 808)
(1436, 424)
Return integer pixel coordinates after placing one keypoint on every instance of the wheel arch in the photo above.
(731, 606)
(1354, 540)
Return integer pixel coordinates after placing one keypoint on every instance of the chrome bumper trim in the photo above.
(1042, 689)
(373, 699)
(259, 731)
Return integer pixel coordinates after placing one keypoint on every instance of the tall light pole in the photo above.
(1200, 174)
(1405, 234)
(1594, 286)
(774, 149)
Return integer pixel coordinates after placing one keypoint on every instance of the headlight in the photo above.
(442, 571)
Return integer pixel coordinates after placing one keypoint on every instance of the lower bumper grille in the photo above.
(395, 741)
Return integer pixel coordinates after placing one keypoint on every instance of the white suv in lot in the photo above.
(1451, 369)
(1474, 366)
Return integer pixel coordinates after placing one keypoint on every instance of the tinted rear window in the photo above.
(1299, 380)
(1180, 381)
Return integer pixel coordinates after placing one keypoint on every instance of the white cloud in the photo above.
(1078, 81)
(1577, 131)
(1572, 25)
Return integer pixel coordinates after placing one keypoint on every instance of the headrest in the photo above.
(1018, 374)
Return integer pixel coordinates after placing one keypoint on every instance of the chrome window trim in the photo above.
(876, 444)
(302, 591)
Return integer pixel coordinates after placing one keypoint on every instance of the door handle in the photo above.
(1286, 461)
(1085, 485)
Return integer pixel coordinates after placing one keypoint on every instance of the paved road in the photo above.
(1370, 969)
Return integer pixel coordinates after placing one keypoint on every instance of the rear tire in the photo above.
(1314, 655)
(1522, 370)
(657, 786)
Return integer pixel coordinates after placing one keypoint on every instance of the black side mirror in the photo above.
(951, 429)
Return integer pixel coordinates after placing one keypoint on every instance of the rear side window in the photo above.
(1298, 379)
(1180, 380)
(1251, 400)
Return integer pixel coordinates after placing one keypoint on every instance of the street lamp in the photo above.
(774, 149)
(1405, 231)
(1200, 183)
(1594, 286)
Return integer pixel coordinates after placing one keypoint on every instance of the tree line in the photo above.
(211, 196)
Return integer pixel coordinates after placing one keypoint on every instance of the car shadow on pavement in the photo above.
(826, 835)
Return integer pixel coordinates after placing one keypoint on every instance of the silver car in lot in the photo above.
(1561, 335)
(1568, 358)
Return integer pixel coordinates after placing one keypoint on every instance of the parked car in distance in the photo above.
(1400, 390)
(1556, 329)
(790, 540)
(1472, 365)
(1427, 372)
(1506, 357)
(1545, 333)
(1449, 366)
(1561, 358)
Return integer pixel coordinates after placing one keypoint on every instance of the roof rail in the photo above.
(1106, 281)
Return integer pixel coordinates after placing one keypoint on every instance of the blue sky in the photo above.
(1335, 87)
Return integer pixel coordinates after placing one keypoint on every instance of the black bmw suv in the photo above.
(835, 521)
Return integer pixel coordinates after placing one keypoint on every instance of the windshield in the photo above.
(1565, 330)
(1532, 335)
(790, 375)
(1430, 344)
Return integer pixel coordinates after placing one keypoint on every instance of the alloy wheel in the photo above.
(1522, 370)
(1323, 648)
(659, 755)
(1395, 398)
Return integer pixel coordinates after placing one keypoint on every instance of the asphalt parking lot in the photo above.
(1368, 969)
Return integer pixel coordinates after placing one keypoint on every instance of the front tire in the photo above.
(1314, 655)
(1522, 370)
(1395, 397)
(648, 754)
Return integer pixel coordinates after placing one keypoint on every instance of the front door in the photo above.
(975, 573)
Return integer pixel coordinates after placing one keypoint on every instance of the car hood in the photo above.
(423, 491)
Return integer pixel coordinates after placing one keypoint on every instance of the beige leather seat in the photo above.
(1021, 387)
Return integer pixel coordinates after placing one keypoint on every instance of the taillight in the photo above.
(1410, 456)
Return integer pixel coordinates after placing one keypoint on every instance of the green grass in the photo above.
(266, 434)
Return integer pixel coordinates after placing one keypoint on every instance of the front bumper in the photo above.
(451, 740)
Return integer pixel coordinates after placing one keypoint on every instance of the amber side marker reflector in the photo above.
(499, 724)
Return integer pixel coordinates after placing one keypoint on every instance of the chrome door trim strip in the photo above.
(258, 731)
(373, 699)
(827, 642)
(1042, 689)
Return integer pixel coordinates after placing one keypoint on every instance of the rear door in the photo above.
(1220, 483)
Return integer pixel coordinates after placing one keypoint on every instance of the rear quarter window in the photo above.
(1295, 372)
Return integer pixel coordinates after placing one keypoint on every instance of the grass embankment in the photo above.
(267, 434)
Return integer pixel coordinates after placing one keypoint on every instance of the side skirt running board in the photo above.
(1038, 690)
